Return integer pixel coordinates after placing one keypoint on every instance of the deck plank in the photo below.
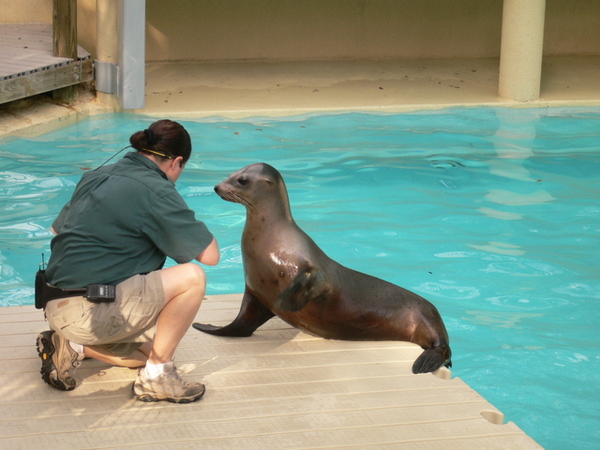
(279, 388)
(27, 64)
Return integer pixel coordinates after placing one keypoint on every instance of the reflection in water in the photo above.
(504, 197)
(513, 143)
(500, 248)
(497, 214)
(503, 319)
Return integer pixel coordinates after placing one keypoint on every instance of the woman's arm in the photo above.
(211, 254)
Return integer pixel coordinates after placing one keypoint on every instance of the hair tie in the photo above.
(150, 136)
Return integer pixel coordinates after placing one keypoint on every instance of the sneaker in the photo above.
(58, 359)
(167, 386)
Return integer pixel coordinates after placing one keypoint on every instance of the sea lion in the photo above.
(288, 275)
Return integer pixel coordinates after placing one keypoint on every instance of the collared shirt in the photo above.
(123, 219)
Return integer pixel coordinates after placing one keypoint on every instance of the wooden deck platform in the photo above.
(279, 388)
(27, 66)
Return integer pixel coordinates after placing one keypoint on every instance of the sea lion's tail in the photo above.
(432, 359)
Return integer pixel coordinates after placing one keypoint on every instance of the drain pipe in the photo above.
(121, 46)
(132, 53)
(521, 49)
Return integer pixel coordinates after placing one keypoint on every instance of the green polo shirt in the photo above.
(123, 219)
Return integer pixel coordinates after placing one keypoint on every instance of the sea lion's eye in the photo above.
(242, 181)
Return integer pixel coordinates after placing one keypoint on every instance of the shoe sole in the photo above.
(149, 398)
(46, 350)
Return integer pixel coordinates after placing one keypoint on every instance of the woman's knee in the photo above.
(196, 275)
(183, 278)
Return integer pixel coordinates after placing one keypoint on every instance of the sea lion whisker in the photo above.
(244, 201)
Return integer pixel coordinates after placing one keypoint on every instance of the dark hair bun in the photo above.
(138, 140)
(166, 137)
(150, 136)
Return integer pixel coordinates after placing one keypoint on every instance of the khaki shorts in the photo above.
(121, 326)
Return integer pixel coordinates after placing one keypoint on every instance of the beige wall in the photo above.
(218, 30)
(322, 29)
(26, 11)
(572, 27)
(353, 29)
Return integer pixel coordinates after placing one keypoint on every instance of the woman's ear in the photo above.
(179, 159)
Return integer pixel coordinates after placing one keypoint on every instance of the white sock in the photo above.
(77, 347)
(154, 370)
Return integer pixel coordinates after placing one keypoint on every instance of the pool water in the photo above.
(491, 214)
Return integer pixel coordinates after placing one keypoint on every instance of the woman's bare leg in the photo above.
(136, 359)
(184, 286)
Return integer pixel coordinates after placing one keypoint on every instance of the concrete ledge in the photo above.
(247, 89)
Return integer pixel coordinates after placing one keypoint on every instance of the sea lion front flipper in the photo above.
(251, 316)
(309, 285)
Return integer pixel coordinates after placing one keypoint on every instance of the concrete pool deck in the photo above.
(246, 89)
(279, 388)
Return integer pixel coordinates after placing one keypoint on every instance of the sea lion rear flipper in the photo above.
(251, 316)
(308, 285)
(432, 359)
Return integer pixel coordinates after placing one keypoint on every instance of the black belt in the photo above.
(45, 292)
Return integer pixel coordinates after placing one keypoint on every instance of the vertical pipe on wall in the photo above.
(521, 49)
(107, 50)
(107, 13)
(132, 53)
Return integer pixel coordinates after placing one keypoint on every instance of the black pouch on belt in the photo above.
(45, 292)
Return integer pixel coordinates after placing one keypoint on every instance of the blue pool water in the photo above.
(492, 214)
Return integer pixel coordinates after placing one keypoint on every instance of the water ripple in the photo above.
(491, 213)
(449, 290)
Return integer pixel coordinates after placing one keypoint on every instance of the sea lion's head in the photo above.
(253, 186)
